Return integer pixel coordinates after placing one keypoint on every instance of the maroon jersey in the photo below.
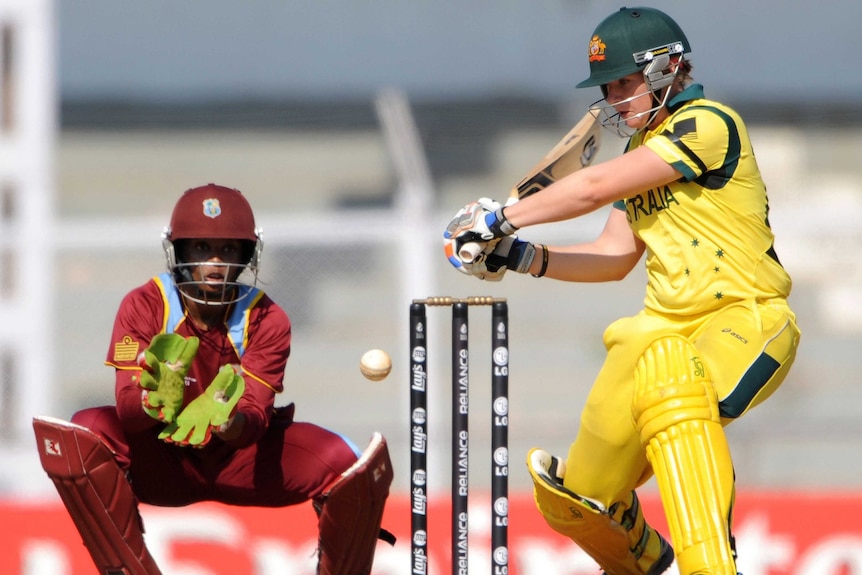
(256, 335)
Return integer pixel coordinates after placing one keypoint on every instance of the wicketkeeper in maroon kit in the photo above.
(199, 354)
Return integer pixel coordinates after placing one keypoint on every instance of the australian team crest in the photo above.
(597, 49)
(212, 209)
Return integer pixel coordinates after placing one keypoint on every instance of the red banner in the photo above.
(777, 534)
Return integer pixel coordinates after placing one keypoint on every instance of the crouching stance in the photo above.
(199, 354)
(103, 507)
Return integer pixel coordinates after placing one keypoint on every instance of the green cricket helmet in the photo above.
(631, 40)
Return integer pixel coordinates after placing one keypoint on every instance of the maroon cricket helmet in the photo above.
(212, 211)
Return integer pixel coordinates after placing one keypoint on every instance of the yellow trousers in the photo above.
(748, 349)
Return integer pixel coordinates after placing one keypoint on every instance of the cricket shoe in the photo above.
(665, 558)
(664, 561)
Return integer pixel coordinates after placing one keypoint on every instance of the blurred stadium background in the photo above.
(357, 130)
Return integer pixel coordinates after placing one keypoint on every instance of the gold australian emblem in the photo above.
(597, 49)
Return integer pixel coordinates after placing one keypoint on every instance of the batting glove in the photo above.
(477, 223)
(164, 365)
(509, 253)
(209, 411)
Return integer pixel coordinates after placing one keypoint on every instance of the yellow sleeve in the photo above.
(697, 140)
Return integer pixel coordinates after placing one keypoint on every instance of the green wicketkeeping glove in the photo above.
(164, 365)
(212, 409)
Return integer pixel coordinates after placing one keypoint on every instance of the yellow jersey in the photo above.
(707, 235)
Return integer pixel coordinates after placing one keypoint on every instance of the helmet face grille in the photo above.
(238, 279)
(235, 285)
(622, 43)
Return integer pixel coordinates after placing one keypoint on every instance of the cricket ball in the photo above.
(375, 364)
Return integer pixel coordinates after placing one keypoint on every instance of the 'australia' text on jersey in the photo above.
(649, 203)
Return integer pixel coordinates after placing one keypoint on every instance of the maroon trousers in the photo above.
(292, 463)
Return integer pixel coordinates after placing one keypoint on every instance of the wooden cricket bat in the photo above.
(574, 151)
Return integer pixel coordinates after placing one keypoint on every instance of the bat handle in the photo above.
(471, 250)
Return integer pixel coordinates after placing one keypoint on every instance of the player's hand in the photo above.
(508, 253)
(211, 410)
(164, 365)
(475, 226)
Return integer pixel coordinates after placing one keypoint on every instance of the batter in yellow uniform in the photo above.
(716, 336)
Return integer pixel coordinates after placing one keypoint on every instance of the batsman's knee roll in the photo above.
(675, 409)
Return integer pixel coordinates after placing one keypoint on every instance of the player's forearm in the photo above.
(586, 263)
(587, 268)
(568, 198)
(591, 188)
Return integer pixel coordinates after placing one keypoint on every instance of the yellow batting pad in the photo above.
(622, 550)
(676, 411)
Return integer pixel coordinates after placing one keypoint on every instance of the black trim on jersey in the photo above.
(680, 129)
(712, 179)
